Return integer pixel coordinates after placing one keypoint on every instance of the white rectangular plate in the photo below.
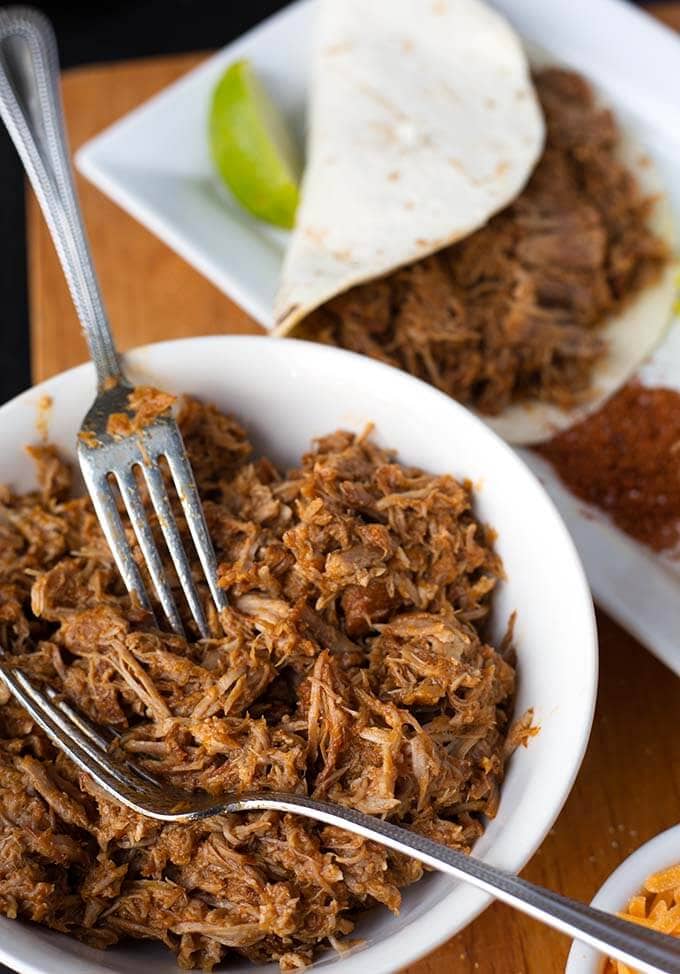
(155, 163)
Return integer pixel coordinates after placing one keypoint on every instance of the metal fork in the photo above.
(89, 747)
(30, 106)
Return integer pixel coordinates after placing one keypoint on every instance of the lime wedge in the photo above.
(254, 153)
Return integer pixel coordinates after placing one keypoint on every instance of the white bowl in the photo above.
(627, 880)
(286, 393)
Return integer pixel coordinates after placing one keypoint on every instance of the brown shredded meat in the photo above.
(351, 664)
(511, 312)
(145, 404)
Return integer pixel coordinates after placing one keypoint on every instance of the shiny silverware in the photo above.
(30, 106)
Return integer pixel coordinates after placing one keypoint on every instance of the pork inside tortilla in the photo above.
(536, 317)
(353, 663)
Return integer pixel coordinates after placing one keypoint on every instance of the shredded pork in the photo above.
(511, 312)
(145, 404)
(351, 665)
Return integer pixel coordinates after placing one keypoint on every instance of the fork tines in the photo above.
(80, 740)
(122, 459)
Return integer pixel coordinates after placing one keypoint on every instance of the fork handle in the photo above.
(30, 106)
(644, 950)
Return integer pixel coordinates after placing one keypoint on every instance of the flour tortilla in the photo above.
(423, 124)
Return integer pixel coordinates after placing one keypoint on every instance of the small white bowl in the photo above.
(628, 879)
(287, 392)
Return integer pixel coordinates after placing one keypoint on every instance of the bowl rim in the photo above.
(657, 853)
(427, 932)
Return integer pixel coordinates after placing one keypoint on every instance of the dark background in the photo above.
(88, 33)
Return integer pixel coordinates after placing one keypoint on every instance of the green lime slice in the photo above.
(254, 153)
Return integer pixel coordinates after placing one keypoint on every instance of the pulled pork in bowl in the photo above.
(364, 657)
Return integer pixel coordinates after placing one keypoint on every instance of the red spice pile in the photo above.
(625, 459)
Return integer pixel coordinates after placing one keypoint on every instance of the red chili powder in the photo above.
(625, 459)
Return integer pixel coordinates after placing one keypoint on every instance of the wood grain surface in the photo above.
(629, 786)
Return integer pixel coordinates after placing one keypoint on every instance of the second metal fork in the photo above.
(30, 106)
(124, 781)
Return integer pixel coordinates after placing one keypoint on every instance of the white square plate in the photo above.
(155, 163)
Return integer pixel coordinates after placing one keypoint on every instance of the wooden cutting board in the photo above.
(629, 786)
